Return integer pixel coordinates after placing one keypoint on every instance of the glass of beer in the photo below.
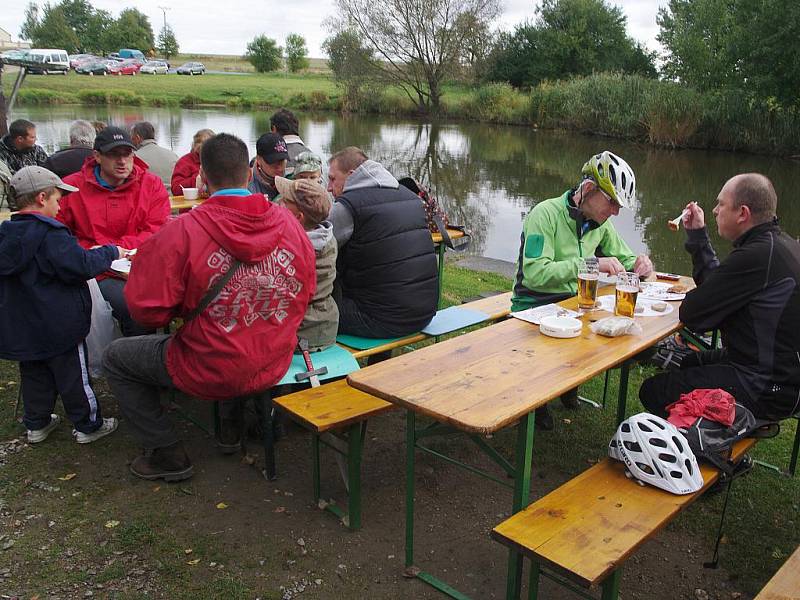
(588, 275)
(627, 292)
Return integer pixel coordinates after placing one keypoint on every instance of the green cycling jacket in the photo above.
(551, 251)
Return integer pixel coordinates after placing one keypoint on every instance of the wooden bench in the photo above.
(785, 584)
(496, 307)
(583, 532)
(330, 407)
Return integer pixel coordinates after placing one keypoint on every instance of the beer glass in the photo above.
(588, 276)
(627, 292)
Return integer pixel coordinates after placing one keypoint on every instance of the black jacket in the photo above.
(388, 266)
(16, 159)
(45, 305)
(68, 161)
(753, 297)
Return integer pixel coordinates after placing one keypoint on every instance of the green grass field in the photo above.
(99, 526)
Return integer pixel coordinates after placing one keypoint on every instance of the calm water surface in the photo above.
(487, 176)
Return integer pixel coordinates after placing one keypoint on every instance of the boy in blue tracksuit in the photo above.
(45, 308)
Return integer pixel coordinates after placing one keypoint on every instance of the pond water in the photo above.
(486, 176)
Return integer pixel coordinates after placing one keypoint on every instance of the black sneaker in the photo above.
(570, 399)
(543, 419)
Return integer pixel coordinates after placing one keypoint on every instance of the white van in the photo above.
(48, 60)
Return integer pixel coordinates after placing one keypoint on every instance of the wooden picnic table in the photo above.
(785, 584)
(488, 379)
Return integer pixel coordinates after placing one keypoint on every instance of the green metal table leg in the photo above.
(354, 448)
(533, 582)
(411, 424)
(315, 466)
(622, 397)
(795, 450)
(522, 491)
(611, 586)
(440, 250)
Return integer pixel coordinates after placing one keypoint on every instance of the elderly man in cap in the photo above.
(118, 202)
(70, 160)
(270, 162)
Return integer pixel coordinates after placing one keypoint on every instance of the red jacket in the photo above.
(125, 216)
(244, 339)
(185, 173)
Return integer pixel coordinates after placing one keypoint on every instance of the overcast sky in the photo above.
(214, 27)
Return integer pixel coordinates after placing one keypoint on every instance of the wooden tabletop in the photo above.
(487, 379)
(453, 233)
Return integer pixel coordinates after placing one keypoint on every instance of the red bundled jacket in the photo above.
(244, 339)
(125, 216)
(185, 173)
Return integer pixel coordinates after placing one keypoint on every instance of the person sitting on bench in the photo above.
(239, 271)
(387, 280)
(308, 201)
(558, 233)
(752, 297)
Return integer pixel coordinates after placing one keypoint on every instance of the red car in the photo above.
(129, 67)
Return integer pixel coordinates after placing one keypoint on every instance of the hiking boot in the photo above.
(543, 419)
(570, 399)
(230, 436)
(170, 463)
(39, 435)
(109, 425)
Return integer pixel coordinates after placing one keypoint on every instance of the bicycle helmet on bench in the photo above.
(655, 452)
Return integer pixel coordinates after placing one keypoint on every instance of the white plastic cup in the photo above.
(190, 193)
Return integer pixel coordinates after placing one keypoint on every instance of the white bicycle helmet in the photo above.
(655, 452)
(614, 176)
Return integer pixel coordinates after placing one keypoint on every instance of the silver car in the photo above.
(154, 67)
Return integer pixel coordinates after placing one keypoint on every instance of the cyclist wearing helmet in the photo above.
(560, 232)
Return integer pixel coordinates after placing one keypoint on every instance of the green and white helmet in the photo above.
(614, 177)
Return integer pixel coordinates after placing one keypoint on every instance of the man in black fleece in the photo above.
(752, 297)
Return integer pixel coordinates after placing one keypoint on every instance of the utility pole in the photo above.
(164, 10)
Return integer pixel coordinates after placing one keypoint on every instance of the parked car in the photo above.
(129, 67)
(77, 59)
(114, 56)
(191, 68)
(48, 60)
(130, 53)
(154, 67)
(99, 67)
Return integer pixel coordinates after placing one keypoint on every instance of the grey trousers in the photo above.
(136, 368)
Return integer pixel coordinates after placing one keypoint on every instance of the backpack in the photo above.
(712, 441)
(434, 214)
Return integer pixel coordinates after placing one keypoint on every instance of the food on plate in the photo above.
(678, 289)
(638, 309)
(659, 306)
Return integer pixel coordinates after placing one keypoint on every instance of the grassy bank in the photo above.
(630, 107)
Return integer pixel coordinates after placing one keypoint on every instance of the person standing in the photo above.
(269, 163)
(239, 271)
(752, 297)
(160, 161)
(285, 124)
(18, 149)
(70, 160)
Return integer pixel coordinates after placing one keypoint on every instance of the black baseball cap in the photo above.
(272, 148)
(112, 137)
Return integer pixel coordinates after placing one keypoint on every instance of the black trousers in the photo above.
(706, 370)
(66, 375)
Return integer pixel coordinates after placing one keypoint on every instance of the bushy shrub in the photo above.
(498, 103)
(190, 100)
(44, 97)
(124, 97)
(93, 97)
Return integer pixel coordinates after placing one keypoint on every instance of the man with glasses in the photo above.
(559, 233)
(118, 202)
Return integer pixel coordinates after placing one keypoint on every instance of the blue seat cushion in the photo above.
(338, 360)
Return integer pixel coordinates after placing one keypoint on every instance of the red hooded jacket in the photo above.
(125, 216)
(244, 339)
(185, 173)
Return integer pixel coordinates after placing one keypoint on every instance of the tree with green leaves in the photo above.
(296, 53)
(744, 45)
(30, 23)
(264, 54)
(418, 44)
(567, 38)
(97, 38)
(167, 43)
(54, 31)
(350, 61)
(132, 30)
